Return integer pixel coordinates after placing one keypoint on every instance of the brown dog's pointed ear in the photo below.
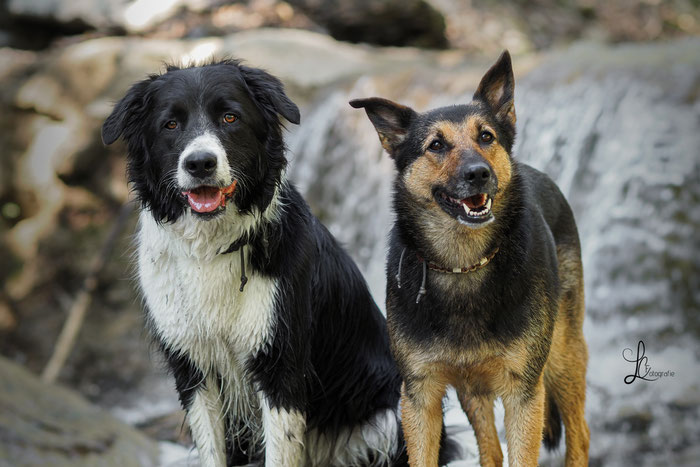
(391, 120)
(497, 89)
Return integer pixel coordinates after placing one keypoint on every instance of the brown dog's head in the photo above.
(453, 159)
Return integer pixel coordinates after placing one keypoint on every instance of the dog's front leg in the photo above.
(206, 421)
(421, 419)
(524, 421)
(284, 434)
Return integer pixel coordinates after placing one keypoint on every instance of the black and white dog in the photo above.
(278, 350)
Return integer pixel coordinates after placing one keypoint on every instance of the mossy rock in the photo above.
(43, 424)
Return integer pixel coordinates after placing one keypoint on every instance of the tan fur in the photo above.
(455, 244)
(421, 419)
(524, 423)
(565, 370)
(492, 370)
(386, 142)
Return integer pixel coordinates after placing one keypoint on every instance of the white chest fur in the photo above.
(193, 298)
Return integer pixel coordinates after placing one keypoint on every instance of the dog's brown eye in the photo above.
(436, 145)
(486, 137)
(171, 125)
(230, 118)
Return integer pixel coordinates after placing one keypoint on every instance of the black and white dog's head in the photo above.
(200, 136)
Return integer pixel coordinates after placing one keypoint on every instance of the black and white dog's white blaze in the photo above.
(279, 353)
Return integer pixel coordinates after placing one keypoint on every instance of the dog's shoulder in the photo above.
(543, 198)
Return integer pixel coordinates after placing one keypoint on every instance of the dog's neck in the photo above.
(442, 241)
(452, 245)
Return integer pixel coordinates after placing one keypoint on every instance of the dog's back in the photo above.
(546, 199)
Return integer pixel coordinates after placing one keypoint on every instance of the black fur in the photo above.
(188, 377)
(329, 354)
(552, 425)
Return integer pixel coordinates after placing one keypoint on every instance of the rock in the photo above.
(167, 427)
(380, 22)
(630, 419)
(44, 424)
(76, 14)
(383, 22)
(7, 319)
(51, 19)
(83, 15)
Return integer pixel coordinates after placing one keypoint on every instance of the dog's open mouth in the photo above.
(207, 199)
(473, 210)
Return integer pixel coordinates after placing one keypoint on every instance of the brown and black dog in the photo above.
(485, 282)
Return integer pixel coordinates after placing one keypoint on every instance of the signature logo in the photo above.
(642, 369)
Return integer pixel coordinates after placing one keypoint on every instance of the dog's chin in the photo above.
(207, 216)
(473, 211)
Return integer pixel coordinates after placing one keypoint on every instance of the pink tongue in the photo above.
(205, 199)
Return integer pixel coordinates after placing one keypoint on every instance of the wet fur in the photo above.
(296, 369)
(512, 329)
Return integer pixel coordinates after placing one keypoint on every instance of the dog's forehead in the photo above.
(455, 119)
(197, 82)
(456, 114)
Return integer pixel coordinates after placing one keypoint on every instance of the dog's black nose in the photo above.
(477, 174)
(200, 164)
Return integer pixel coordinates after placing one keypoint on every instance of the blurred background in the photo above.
(608, 104)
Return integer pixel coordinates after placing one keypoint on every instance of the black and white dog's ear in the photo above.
(124, 111)
(269, 92)
(496, 89)
(391, 120)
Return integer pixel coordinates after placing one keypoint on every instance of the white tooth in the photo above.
(488, 204)
(466, 209)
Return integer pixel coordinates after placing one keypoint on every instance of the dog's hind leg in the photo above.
(565, 379)
(479, 410)
(421, 419)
